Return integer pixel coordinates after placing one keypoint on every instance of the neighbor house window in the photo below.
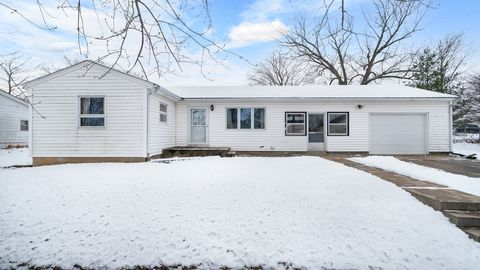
(246, 118)
(295, 124)
(23, 125)
(337, 123)
(163, 112)
(92, 111)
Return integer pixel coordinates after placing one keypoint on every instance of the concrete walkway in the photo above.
(450, 164)
(461, 208)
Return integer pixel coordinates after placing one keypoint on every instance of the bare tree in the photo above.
(12, 73)
(281, 69)
(140, 34)
(343, 54)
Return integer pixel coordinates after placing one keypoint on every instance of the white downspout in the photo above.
(30, 128)
(450, 120)
(146, 114)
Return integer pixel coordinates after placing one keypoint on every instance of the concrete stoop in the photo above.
(188, 151)
(462, 209)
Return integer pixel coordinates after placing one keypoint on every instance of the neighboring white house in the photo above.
(89, 113)
(14, 119)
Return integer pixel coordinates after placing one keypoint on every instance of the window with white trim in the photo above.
(163, 112)
(92, 111)
(295, 124)
(23, 125)
(245, 118)
(337, 123)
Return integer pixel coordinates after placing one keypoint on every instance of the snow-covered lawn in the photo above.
(466, 138)
(213, 212)
(460, 182)
(467, 149)
(14, 156)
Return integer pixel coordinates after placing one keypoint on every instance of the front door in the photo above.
(198, 126)
(316, 132)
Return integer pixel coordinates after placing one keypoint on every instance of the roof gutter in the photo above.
(321, 98)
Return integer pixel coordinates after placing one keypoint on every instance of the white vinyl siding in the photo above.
(161, 135)
(273, 138)
(398, 134)
(11, 113)
(56, 132)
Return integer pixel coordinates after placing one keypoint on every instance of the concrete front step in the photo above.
(446, 199)
(190, 151)
(472, 232)
(463, 218)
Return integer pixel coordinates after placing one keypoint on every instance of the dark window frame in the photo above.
(92, 115)
(347, 123)
(304, 124)
(22, 127)
(163, 113)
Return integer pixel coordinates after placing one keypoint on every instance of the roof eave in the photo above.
(320, 98)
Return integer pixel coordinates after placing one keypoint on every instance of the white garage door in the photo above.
(398, 134)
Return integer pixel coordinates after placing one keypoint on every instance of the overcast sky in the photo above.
(247, 27)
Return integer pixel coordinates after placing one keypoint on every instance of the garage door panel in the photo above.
(397, 134)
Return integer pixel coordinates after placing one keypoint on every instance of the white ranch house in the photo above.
(14, 116)
(87, 114)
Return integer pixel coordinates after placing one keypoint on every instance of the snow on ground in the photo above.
(14, 156)
(460, 182)
(467, 149)
(466, 137)
(214, 211)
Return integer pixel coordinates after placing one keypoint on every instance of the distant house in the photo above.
(14, 117)
(90, 114)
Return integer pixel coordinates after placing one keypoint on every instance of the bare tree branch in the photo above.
(281, 69)
(12, 73)
(147, 35)
(345, 55)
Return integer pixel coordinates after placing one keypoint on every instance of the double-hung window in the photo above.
(92, 111)
(23, 125)
(245, 118)
(337, 123)
(295, 124)
(163, 112)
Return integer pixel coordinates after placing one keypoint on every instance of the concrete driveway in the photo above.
(450, 164)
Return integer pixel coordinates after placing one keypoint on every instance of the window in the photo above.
(92, 111)
(295, 124)
(337, 123)
(23, 125)
(232, 118)
(246, 118)
(163, 112)
(259, 118)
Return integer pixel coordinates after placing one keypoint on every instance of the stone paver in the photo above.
(446, 199)
(473, 232)
(464, 218)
